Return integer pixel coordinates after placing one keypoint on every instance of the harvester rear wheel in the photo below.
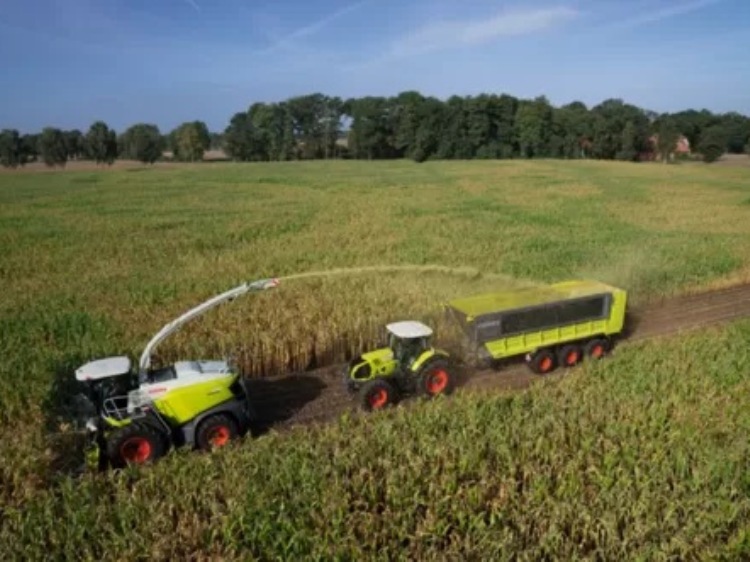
(135, 443)
(376, 395)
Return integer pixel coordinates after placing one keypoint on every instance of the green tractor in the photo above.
(136, 417)
(409, 364)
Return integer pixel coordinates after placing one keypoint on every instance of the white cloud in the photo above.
(194, 4)
(664, 13)
(443, 35)
(314, 27)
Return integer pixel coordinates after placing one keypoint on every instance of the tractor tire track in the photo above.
(319, 396)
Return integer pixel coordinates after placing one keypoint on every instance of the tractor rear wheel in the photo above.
(215, 431)
(376, 395)
(435, 378)
(135, 443)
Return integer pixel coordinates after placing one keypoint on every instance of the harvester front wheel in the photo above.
(435, 378)
(376, 395)
(135, 443)
(215, 431)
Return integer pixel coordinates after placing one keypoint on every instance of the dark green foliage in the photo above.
(667, 137)
(411, 125)
(534, 124)
(142, 142)
(189, 141)
(29, 148)
(10, 148)
(713, 143)
(274, 137)
(52, 147)
(610, 125)
(101, 143)
(737, 130)
(241, 141)
(75, 144)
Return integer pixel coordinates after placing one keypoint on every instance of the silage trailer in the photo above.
(554, 325)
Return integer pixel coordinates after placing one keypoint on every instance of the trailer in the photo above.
(556, 325)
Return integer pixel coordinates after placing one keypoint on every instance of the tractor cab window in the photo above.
(407, 350)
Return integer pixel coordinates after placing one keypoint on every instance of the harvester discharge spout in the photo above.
(254, 286)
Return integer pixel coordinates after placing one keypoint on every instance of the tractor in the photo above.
(408, 364)
(139, 415)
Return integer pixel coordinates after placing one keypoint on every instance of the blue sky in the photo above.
(69, 62)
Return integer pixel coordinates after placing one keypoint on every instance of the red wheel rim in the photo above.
(597, 351)
(437, 382)
(379, 398)
(219, 436)
(136, 450)
(572, 358)
(546, 364)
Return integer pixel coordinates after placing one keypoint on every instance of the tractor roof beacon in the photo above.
(139, 415)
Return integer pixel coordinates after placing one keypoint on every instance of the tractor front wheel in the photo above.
(135, 443)
(215, 431)
(376, 395)
(436, 378)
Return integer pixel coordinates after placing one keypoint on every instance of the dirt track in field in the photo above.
(319, 396)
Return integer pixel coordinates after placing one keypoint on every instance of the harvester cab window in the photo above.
(162, 375)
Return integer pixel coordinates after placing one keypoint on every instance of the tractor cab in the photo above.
(408, 340)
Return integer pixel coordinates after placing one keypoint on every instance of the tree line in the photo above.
(143, 142)
(408, 125)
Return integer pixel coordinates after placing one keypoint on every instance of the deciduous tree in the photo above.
(10, 148)
(713, 143)
(142, 142)
(101, 143)
(52, 147)
(667, 137)
(189, 141)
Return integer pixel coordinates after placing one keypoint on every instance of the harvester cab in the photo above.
(139, 414)
(409, 364)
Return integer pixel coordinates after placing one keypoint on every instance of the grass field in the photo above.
(94, 262)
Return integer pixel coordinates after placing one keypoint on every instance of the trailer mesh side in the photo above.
(509, 322)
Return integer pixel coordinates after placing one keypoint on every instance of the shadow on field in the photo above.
(278, 400)
(64, 414)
